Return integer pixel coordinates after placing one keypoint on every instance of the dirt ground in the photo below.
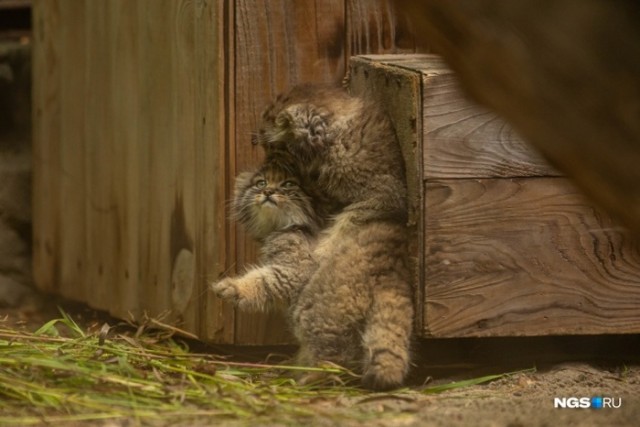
(565, 367)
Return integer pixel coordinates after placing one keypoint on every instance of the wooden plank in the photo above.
(374, 26)
(157, 121)
(138, 137)
(183, 211)
(509, 257)
(123, 88)
(213, 73)
(100, 207)
(46, 143)
(463, 139)
(73, 186)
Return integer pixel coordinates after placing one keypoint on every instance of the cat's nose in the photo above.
(268, 191)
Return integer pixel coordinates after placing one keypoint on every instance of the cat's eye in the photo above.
(261, 183)
(289, 184)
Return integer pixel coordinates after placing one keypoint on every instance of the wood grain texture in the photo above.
(525, 257)
(374, 26)
(127, 191)
(73, 251)
(101, 210)
(131, 151)
(505, 247)
(463, 139)
(46, 143)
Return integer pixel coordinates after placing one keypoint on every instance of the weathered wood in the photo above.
(127, 173)
(72, 258)
(465, 140)
(564, 73)
(503, 246)
(100, 211)
(373, 26)
(46, 144)
(527, 256)
(124, 50)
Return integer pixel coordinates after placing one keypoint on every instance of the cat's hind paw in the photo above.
(384, 374)
(382, 381)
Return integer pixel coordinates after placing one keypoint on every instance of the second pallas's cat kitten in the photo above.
(358, 305)
(275, 210)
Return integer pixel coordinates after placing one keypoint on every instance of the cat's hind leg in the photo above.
(387, 335)
(326, 334)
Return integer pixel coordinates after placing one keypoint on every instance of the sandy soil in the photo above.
(565, 367)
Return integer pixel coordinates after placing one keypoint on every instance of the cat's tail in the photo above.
(387, 335)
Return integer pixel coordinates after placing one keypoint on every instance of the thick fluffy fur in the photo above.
(345, 146)
(357, 308)
(275, 210)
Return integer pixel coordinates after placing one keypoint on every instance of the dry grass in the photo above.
(61, 374)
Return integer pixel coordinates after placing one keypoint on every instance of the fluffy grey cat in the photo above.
(357, 308)
(275, 210)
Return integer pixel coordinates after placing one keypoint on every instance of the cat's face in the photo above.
(303, 122)
(271, 200)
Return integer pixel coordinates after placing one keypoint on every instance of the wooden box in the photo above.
(505, 246)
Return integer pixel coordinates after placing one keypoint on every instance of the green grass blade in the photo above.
(471, 382)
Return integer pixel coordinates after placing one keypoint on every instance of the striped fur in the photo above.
(357, 308)
(275, 210)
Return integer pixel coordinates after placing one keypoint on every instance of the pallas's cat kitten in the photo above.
(274, 209)
(358, 305)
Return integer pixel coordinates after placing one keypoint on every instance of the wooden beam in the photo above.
(525, 256)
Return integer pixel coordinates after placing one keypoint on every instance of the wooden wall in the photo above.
(142, 117)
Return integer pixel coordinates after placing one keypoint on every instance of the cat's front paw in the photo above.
(243, 292)
(226, 289)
